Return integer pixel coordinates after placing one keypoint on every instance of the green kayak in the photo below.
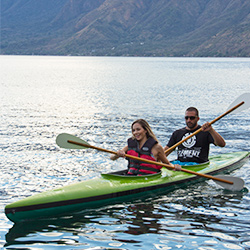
(116, 187)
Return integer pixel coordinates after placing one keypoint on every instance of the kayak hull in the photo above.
(115, 188)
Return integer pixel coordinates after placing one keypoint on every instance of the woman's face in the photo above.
(138, 131)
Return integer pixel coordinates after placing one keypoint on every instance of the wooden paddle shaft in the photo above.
(200, 129)
(150, 162)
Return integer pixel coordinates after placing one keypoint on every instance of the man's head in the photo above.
(191, 118)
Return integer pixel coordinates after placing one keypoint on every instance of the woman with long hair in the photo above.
(143, 144)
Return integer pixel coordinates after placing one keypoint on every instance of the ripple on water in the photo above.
(97, 99)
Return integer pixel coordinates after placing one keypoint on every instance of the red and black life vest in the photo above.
(138, 167)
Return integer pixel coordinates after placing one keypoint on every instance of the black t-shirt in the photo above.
(195, 149)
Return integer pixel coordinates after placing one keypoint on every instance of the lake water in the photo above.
(97, 99)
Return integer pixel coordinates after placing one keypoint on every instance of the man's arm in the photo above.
(218, 139)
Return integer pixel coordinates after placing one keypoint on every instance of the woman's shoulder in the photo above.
(157, 147)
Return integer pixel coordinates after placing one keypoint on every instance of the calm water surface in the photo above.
(97, 99)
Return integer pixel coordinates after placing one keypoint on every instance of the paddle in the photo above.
(72, 142)
(242, 101)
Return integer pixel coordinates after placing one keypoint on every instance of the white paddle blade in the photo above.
(242, 98)
(238, 183)
(62, 141)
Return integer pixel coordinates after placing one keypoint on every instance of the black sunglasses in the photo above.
(190, 117)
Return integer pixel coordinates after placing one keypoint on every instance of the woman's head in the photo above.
(144, 124)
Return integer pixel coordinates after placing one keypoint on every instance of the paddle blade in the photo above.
(238, 183)
(242, 98)
(62, 141)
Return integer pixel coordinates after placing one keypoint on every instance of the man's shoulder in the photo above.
(184, 130)
(180, 130)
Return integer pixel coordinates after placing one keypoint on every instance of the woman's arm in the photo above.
(159, 155)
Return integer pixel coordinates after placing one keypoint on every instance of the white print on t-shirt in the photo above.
(189, 153)
(190, 142)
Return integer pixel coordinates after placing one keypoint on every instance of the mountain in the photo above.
(126, 28)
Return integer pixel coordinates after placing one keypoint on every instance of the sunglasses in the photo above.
(190, 117)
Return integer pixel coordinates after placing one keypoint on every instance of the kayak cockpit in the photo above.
(123, 174)
(190, 164)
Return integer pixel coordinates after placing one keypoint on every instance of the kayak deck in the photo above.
(114, 187)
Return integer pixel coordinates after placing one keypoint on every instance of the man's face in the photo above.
(191, 119)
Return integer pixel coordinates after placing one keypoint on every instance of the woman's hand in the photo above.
(119, 153)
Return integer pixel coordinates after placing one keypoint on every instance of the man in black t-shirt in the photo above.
(196, 148)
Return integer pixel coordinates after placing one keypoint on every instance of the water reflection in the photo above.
(184, 212)
(143, 219)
